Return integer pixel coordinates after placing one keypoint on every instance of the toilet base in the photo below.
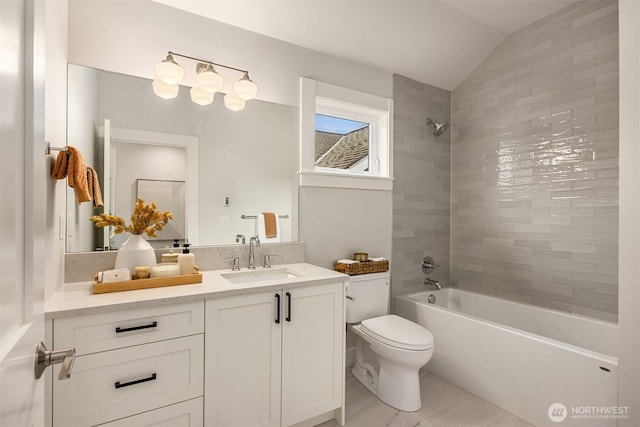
(397, 385)
(365, 379)
(407, 401)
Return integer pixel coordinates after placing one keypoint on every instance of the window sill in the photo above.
(341, 180)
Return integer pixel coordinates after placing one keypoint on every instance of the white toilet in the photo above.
(390, 350)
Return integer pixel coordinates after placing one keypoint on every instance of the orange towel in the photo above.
(270, 228)
(94, 187)
(61, 165)
(77, 175)
(70, 164)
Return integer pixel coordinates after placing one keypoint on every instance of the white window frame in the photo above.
(331, 100)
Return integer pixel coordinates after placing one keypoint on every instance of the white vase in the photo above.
(135, 252)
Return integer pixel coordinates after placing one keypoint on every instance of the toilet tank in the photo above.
(370, 294)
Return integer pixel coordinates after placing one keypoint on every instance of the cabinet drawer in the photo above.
(114, 384)
(107, 331)
(183, 414)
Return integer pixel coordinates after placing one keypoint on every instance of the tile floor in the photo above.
(443, 405)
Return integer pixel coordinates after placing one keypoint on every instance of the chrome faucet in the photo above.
(240, 237)
(432, 282)
(252, 263)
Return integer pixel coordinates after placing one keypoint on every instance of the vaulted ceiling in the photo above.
(438, 42)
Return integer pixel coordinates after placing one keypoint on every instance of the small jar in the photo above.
(361, 256)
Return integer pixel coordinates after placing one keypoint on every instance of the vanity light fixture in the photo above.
(200, 96)
(169, 75)
(234, 103)
(164, 90)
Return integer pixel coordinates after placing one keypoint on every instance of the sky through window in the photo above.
(337, 125)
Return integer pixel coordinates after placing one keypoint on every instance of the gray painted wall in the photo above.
(535, 166)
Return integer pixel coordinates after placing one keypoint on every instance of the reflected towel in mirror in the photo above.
(268, 227)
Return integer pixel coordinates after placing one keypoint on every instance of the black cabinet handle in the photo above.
(143, 380)
(277, 308)
(288, 319)
(120, 330)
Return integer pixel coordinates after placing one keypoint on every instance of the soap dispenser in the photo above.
(186, 261)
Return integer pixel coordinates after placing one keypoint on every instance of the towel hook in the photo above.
(48, 148)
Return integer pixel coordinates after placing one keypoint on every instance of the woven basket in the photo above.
(362, 267)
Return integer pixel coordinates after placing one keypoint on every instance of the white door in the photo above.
(22, 196)
(312, 351)
(242, 360)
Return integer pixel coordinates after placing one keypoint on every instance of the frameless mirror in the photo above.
(246, 160)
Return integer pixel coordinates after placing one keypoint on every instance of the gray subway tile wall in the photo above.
(421, 189)
(534, 167)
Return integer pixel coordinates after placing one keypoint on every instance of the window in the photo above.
(341, 143)
(345, 138)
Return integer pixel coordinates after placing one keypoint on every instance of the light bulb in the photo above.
(201, 96)
(207, 78)
(169, 71)
(164, 90)
(233, 103)
(245, 88)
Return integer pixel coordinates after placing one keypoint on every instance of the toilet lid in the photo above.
(398, 332)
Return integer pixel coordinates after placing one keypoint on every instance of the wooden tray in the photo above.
(156, 282)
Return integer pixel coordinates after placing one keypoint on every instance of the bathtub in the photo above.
(522, 358)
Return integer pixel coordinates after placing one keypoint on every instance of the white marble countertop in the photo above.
(75, 299)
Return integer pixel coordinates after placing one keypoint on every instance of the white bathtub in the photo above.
(522, 358)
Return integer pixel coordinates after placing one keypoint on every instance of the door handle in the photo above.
(288, 318)
(45, 357)
(277, 308)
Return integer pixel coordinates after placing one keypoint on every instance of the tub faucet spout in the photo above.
(432, 282)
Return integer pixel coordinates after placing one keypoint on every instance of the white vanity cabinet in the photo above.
(143, 366)
(275, 358)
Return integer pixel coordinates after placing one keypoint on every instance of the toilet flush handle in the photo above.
(351, 298)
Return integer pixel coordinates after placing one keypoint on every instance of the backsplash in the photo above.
(535, 166)
(81, 267)
(422, 172)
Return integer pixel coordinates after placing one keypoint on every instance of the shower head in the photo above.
(438, 128)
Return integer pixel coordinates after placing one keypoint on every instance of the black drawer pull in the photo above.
(143, 380)
(119, 330)
(288, 318)
(277, 308)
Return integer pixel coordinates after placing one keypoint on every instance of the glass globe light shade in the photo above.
(169, 71)
(201, 96)
(233, 103)
(207, 78)
(164, 90)
(245, 88)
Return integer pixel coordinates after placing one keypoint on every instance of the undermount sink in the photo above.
(257, 276)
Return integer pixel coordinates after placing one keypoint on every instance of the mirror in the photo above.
(246, 160)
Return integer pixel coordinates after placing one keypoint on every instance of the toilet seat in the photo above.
(398, 332)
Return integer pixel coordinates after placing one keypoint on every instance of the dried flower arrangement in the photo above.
(145, 219)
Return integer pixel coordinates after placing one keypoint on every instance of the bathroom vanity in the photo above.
(262, 347)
